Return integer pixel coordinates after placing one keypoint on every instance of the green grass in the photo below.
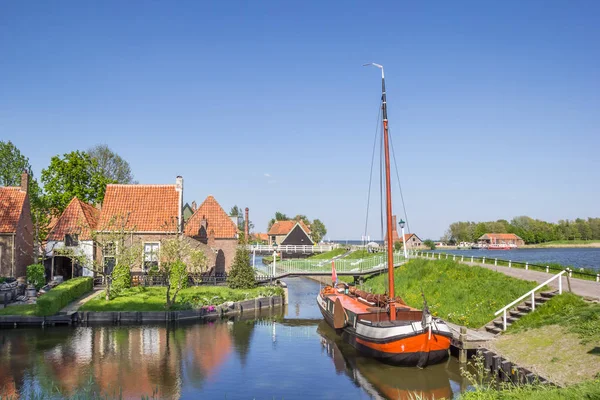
(566, 242)
(154, 298)
(25, 309)
(567, 310)
(358, 254)
(587, 390)
(328, 255)
(465, 295)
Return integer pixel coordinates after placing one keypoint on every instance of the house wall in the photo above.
(6, 254)
(24, 241)
(297, 237)
(228, 247)
(85, 248)
(414, 242)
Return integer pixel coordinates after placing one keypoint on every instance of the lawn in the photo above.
(25, 309)
(154, 298)
(587, 390)
(329, 254)
(465, 295)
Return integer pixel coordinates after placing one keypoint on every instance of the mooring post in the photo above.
(462, 353)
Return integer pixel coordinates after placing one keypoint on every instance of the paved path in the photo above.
(75, 305)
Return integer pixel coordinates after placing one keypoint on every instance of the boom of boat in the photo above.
(384, 326)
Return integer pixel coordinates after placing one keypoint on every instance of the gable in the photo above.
(79, 217)
(216, 219)
(297, 237)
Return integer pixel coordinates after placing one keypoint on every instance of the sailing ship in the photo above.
(384, 326)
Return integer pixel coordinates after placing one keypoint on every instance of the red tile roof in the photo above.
(261, 236)
(284, 227)
(148, 208)
(79, 217)
(217, 220)
(12, 200)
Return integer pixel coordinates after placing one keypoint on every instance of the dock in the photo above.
(465, 339)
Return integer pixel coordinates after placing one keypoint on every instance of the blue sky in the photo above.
(493, 106)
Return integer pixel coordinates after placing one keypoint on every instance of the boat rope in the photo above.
(377, 128)
(381, 186)
(398, 179)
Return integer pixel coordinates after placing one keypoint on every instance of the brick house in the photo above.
(151, 213)
(290, 233)
(412, 241)
(16, 229)
(72, 230)
(501, 238)
(211, 226)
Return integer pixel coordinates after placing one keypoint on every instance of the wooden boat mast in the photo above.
(388, 197)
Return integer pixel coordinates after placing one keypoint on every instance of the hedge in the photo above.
(52, 302)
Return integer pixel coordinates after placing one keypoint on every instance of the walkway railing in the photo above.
(263, 248)
(532, 294)
(508, 263)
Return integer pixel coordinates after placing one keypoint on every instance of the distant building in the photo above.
(16, 229)
(293, 233)
(259, 237)
(501, 238)
(412, 241)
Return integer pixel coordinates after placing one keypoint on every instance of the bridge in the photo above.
(265, 249)
(310, 267)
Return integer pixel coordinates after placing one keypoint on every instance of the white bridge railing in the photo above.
(292, 248)
(532, 294)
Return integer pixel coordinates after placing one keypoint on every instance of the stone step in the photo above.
(517, 313)
(500, 324)
(493, 329)
(524, 308)
(539, 301)
(548, 295)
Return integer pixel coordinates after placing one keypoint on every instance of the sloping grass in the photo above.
(329, 254)
(154, 298)
(587, 390)
(25, 309)
(358, 254)
(465, 295)
(567, 310)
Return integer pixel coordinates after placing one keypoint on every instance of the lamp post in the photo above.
(274, 260)
(401, 223)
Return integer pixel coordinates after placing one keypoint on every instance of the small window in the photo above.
(72, 240)
(151, 255)
(109, 257)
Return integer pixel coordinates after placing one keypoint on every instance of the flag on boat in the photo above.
(333, 273)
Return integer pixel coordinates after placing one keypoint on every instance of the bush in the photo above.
(397, 246)
(52, 302)
(36, 275)
(429, 243)
(242, 273)
(121, 279)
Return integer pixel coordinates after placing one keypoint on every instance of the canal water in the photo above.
(575, 257)
(280, 354)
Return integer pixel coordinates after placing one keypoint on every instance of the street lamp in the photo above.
(274, 258)
(401, 223)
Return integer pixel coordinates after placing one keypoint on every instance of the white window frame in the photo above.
(113, 255)
(152, 253)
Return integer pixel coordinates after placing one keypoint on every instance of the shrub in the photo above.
(52, 302)
(242, 273)
(397, 246)
(36, 275)
(178, 276)
(121, 279)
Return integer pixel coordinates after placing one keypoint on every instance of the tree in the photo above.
(12, 164)
(242, 274)
(179, 256)
(235, 211)
(279, 216)
(429, 243)
(73, 176)
(302, 218)
(110, 165)
(317, 230)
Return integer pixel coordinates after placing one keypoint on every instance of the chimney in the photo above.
(25, 182)
(246, 224)
(179, 189)
(194, 206)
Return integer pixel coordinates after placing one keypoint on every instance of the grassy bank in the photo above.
(560, 340)
(329, 254)
(565, 243)
(25, 310)
(153, 298)
(588, 390)
(465, 295)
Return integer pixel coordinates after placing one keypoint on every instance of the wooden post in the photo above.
(483, 262)
(509, 263)
(569, 280)
(547, 269)
(495, 262)
(526, 266)
(52, 268)
(462, 353)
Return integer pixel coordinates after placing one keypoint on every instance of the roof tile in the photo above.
(148, 208)
(217, 220)
(78, 217)
(12, 200)
(284, 227)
